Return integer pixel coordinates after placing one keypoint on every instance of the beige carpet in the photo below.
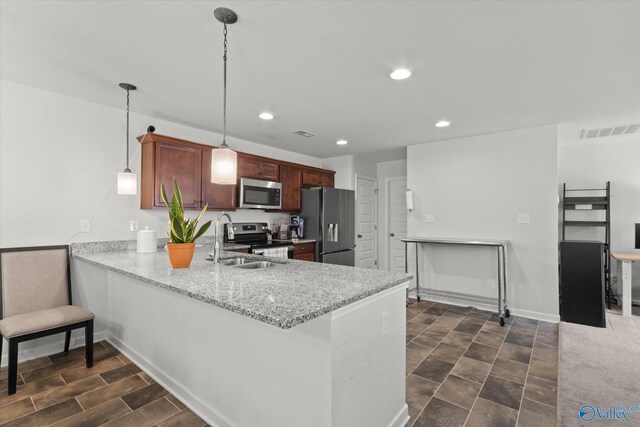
(599, 367)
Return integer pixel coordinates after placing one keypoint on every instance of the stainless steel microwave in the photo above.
(258, 194)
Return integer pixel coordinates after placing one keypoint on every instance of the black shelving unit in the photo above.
(585, 200)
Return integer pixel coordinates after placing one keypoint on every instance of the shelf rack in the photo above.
(597, 199)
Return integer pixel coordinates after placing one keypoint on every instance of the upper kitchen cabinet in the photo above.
(317, 178)
(257, 167)
(291, 178)
(164, 157)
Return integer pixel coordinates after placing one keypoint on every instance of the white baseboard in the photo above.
(402, 417)
(49, 349)
(210, 416)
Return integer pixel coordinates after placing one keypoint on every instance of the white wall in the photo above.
(475, 187)
(590, 164)
(385, 170)
(59, 157)
(345, 169)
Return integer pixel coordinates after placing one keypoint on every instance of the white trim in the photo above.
(376, 265)
(554, 318)
(51, 348)
(402, 417)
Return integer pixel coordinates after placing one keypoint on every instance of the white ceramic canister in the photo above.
(147, 241)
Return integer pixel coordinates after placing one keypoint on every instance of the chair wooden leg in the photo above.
(67, 341)
(1, 340)
(88, 338)
(13, 365)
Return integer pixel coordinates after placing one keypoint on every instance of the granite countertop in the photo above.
(285, 295)
(294, 241)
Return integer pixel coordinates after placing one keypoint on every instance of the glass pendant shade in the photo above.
(127, 183)
(224, 166)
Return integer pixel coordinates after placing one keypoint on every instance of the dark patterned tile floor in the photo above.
(464, 369)
(59, 390)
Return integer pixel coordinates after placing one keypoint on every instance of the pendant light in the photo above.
(224, 161)
(127, 180)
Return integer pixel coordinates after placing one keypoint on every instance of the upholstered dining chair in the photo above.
(35, 301)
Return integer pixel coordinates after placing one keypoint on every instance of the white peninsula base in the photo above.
(345, 368)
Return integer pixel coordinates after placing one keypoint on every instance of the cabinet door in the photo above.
(220, 197)
(291, 179)
(310, 178)
(269, 171)
(248, 167)
(325, 179)
(184, 163)
(305, 257)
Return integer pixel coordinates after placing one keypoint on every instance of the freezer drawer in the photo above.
(339, 258)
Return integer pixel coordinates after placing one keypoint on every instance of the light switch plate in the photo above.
(85, 225)
(429, 218)
(524, 218)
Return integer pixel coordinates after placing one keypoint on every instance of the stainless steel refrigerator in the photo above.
(329, 217)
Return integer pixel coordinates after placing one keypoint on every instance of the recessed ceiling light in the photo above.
(342, 142)
(442, 124)
(400, 74)
(266, 116)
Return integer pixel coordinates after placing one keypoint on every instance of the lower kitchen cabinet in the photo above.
(304, 251)
(240, 251)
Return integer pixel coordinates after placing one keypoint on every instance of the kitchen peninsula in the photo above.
(297, 343)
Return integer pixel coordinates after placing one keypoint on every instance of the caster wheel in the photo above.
(418, 298)
(507, 313)
(501, 321)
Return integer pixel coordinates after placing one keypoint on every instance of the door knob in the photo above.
(391, 234)
(359, 236)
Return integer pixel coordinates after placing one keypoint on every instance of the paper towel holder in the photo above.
(409, 196)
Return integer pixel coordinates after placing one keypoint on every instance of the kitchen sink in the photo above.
(235, 261)
(253, 265)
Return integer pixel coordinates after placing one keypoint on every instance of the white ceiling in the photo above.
(323, 66)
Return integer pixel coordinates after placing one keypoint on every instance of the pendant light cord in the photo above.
(224, 97)
(127, 169)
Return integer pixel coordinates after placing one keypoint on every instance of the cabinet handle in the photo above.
(392, 234)
(359, 236)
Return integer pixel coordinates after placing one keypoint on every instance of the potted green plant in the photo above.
(183, 232)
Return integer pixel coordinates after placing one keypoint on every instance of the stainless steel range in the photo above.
(255, 234)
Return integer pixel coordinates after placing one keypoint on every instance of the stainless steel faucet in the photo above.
(216, 245)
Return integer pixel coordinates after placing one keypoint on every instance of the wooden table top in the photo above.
(621, 256)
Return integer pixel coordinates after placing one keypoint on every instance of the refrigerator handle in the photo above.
(333, 233)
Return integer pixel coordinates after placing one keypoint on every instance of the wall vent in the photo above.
(304, 133)
(609, 131)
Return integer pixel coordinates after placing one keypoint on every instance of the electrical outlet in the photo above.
(85, 225)
(133, 225)
(384, 318)
(491, 283)
(429, 218)
(524, 218)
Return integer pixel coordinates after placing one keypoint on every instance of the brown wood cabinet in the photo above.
(164, 157)
(255, 167)
(291, 178)
(304, 251)
(240, 251)
(316, 178)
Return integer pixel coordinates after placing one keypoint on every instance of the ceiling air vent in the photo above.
(609, 131)
(304, 133)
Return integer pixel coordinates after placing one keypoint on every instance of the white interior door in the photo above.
(396, 222)
(365, 222)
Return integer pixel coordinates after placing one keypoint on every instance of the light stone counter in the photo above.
(285, 295)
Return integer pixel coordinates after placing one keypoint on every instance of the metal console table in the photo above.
(501, 248)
